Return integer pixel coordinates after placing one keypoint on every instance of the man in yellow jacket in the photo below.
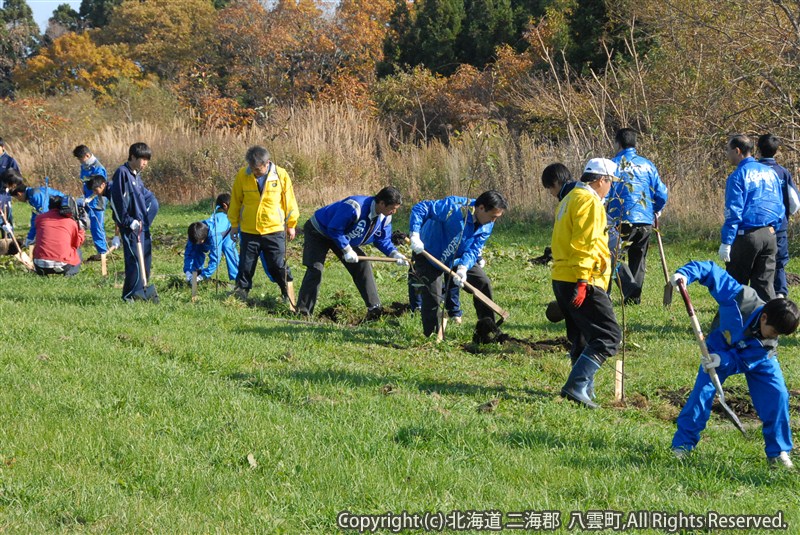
(263, 212)
(581, 272)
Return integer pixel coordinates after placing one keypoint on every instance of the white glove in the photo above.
(188, 276)
(135, 225)
(8, 228)
(350, 255)
(676, 278)
(481, 262)
(115, 242)
(199, 278)
(460, 276)
(416, 244)
(714, 362)
(234, 234)
(400, 258)
(724, 253)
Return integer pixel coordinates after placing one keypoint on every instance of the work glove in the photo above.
(417, 246)
(115, 242)
(350, 255)
(28, 242)
(676, 278)
(8, 228)
(460, 277)
(135, 225)
(188, 276)
(199, 278)
(400, 258)
(714, 362)
(724, 252)
(234, 234)
(579, 295)
(481, 262)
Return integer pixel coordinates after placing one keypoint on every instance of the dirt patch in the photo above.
(793, 279)
(737, 397)
(487, 332)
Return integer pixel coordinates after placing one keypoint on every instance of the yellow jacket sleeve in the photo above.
(289, 201)
(237, 196)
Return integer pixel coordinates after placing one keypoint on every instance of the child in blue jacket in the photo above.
(743, 339)
(211, 237)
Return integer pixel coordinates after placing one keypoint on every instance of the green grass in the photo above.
(140, 418)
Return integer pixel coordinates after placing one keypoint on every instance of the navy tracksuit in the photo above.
(735, 336)
(131, 200)
(788, 188)
(6, 162)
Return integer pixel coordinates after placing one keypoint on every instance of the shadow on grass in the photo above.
(268, 387)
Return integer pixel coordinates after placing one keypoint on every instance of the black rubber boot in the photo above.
(579, 380)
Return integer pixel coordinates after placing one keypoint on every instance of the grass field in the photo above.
(214, 416)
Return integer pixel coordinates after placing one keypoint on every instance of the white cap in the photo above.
(601, 166)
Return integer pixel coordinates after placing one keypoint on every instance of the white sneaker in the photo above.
(456, 320)
(681, 453)
(781, 461)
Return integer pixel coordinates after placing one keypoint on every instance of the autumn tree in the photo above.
(74, 62)
(96, 13)
(19, 38)
(165, 36)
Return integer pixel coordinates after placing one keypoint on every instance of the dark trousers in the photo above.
(753, 261)
(781, 259)
(430, 277)
(592, 327)
(133, 287)
(315, 249)
(274, 248)
(635, 241)
(452, 297)
(68, 271)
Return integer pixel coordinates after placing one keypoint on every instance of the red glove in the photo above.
(580, 293)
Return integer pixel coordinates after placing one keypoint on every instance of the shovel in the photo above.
(21, 255)
(712, 373)
(150, 293)
(667, 286)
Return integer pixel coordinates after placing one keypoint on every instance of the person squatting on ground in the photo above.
(60, 232)
(453, 230)
(211, 237)
(767, 147)
(631, 207)
(581, 271)
(753, 210)
(264, 214)
(344, 227)
(6, 163)
(134, 208)
(743, 339)
(96, 209)
(37, 198)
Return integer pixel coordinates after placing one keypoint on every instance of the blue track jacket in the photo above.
(641, 192)
(39, 199)
(753, 199)
(130, 199)
(447, 227)
(346, 222)
(218, 242)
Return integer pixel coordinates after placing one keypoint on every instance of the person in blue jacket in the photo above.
(6, 163)
(453, 230)
(451, 296)
(211, 237)
(96, 209)
(344, 227)
(39, 199)
(631, 207)
(767, 147)
(753, 210)
(134, 207)
(743, 339)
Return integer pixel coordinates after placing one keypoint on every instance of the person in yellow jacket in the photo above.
(263, 213)
(581, 272)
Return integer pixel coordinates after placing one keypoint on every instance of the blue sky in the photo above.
(43, 9)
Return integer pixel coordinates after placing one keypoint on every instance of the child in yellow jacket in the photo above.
(581, 272)
(263, 213)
